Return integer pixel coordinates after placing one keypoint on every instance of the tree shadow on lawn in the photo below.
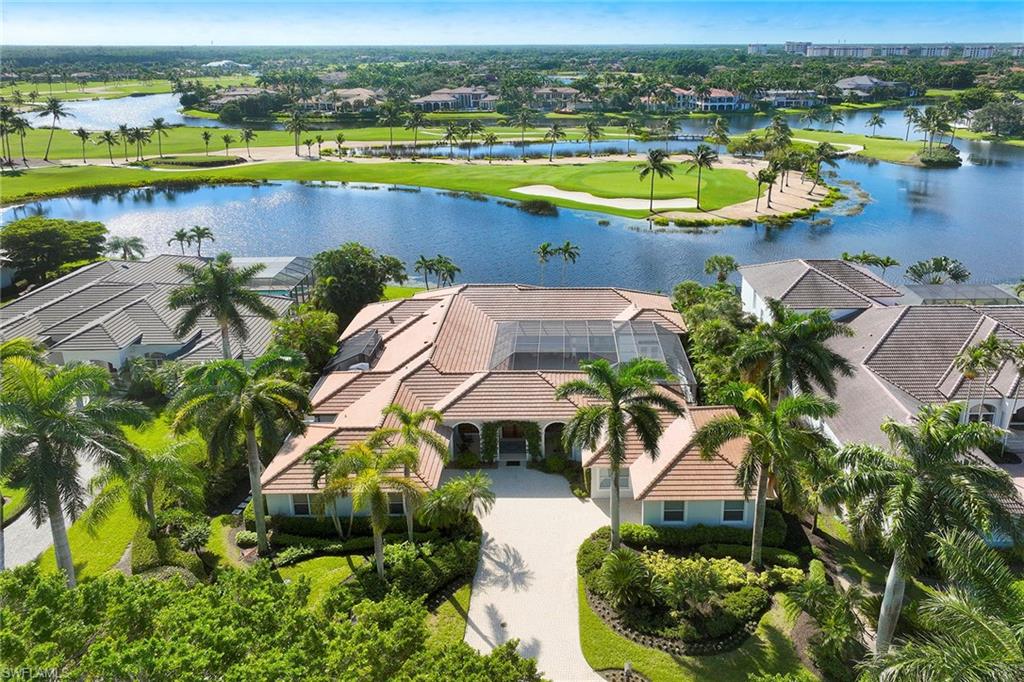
(768, 651)
(504, 567)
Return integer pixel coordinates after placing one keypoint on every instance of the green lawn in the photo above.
(971, 135)
(323, 572)
(14, 501)
(881, 148)
(447, 625)
(721, 187)
(112, 89)
(219, 546)
(770, 651)
(393, 293)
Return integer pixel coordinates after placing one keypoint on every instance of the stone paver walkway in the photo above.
(525, 587)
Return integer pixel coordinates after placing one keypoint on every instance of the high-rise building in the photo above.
(979, 51)
(757, 49)
(792, 47)
(935, 51)
(894, 50)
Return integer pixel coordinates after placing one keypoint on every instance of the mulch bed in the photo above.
(676, 647)
(620, 676)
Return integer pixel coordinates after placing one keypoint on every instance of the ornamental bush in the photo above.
(245, 539)
(771, 556)
(655, 537)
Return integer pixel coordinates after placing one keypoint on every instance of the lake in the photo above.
(108, 114)
(973, 213)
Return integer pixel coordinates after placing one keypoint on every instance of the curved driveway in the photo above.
(525, 587)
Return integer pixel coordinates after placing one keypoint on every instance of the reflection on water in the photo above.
(108, 114)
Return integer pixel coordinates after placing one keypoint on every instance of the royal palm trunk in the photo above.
(225, 342)
(59, 532)
(255, 469)
(892, 602)
(613, 507)
(760, 501)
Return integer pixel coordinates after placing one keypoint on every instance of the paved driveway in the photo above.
(525, 587)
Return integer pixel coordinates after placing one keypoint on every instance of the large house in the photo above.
(790, 99)
(686, 99)
(489, 358)
(342, 100)
(869, 88)
(469, 98)
(111, 311)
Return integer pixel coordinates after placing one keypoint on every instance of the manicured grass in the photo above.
(721, 187)
(881, 148)
(988, 137)
(322, 572)
(112, 89)
(14, 501)
(97, 552)
(770, 651)
(226, 553)
(447, 625)
(393, 293)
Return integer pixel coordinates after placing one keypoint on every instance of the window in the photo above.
(673, 512)
(395, 506)
(733, 510)
(604, 479)
(300, 505)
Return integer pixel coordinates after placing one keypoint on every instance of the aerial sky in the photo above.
(493, 22)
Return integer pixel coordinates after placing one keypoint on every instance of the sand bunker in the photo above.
(550, 192)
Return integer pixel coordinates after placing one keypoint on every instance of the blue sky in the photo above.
(487, 22)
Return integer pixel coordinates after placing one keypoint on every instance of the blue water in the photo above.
(108, 114)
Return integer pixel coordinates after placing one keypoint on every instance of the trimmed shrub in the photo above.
(640, 536)
(149, 553)
(771, 556)
(245, 539)
(747, 603)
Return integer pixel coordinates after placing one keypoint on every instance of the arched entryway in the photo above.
(1017, 420)
(553, 439)
(466, 438)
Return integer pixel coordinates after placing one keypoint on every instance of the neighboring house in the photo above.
(790, 99)
(489, 358)
(685, 99)
(234, 94)
(869, 88)
(556, 98)
(469, 98)
(290, 276)
(806, 284)
(342, 100)
(110, 311)
(960, 294)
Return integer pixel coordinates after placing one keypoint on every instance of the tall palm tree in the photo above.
(227, 139)
(620, 399)
(876, 121)
(490, 139)
(721, 266)
(363, 472)
(414, 120)
(719, 132)
(544, 253)
(473, 127)
(309, 146)
(53, 108)
(994, 352)
(247, 136)
(446, 270)
(139, 137)
(124, 132)
(339, 140)
(779, 445)
(181, 237)
(83, 135)
(555, 133)
(700, 158)
(792, 350)
(218, 290)
(937, 270)
(835, 117)
(974, 628)
(296, 124)
(159, 127)
(53, 418)
(390, 115)
(634, 127)
(911, 115)
(142, 476)
(319, 143)
(826, 154)
(207, 136)
(424, 266)
(20, 127)
(452, 134)
(569, 253)
(6, 116)
(109, 138)
(655, 165)
(928, 481)
(199, 233)
(592, 131)
(765, 176)
(522, 118)
(130, 248)
(412, 430)
(228, 401)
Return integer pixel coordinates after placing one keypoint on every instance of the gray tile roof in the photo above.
(806, 284)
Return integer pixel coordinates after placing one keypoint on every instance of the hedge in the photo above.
(149, 553)
(658, 537)
(311, 526)
(771, 556)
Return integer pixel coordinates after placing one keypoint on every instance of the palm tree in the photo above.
(227, 139)
(124, 133)
(6, 115)
(139, 137)
(886, 262)
(52, 419)
(20, 127)
(591, 131)
(490, 139)
(109, 138)
(22, 347)
(446, 270)
(473, 127)
(655, 165)
(569, 253)
(363, 472)
(824, 153)
(319, 143)
(390, 115)
(938, 270)
(228, 401)
(835, 117)
(220, 291)
(544, 253)
(792, 350)
(620, 399)
(554, 134)
(199, 233)
(130, 248)
(308, 142)
(181, 237)
(927, 482)
(339, 139)
(158, 126)
(700, 158)
(53, 108)
(911, 115)
(779, 444)
(424, 266)
(973, 627)
(522, 119)
(720, 266)
(634, 127)
(247, 135)
(296, 124)
(141, 477)
(457, 499)
(765, 176)
(874, 122)
(83, 135)
(412, 431)
(719, 132)
(414, 120)
(971, 362)
(207, 136)
(452, 134)
(994, 351)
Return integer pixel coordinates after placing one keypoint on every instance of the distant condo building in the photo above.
(792, 47)
(1017, 51)
(935, 51)
(979, 51)
(839, 51)
(757, 49)
(894, 50)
